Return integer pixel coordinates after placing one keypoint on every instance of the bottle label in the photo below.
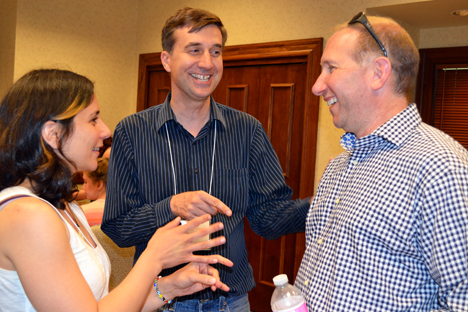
(302, 307)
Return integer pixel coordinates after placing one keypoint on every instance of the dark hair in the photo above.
(196, 18)
(100, 174)
(37, 97)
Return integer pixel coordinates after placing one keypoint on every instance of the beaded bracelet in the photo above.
(158, 292)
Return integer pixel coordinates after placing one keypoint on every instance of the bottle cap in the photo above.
(281, 279)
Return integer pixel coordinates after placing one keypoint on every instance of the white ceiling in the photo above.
(426, 14)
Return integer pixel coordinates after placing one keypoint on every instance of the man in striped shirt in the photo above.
(388, 227)
(192, 156)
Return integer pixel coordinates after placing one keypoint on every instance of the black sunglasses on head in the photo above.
(361, 18)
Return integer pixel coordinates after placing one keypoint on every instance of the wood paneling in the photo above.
(280, 125)
(237, 96)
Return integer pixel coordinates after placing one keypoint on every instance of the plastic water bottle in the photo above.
(286, 297)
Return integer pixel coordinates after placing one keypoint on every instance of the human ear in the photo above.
(166, 60)
(382, 70)
(50, 134)
(100, 185)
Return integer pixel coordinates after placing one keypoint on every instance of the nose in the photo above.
(205, 60)
(104, 131)
(319, 86)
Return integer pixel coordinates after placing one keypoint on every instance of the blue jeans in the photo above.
(229, 304)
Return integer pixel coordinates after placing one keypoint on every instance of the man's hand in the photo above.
(190, 205)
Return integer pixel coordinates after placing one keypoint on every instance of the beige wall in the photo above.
(443, 37)
(95, 38)
(7, 44)
(102, 40)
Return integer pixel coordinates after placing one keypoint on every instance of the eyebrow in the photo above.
(197, 44)
(329, 61)
(94, 114)
(193, 44)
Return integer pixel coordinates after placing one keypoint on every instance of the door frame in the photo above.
(425, 88)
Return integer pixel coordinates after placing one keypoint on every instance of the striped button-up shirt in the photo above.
(388, 226)
(247, 177)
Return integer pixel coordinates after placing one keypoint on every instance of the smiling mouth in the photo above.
(332, 101)
(201, 77)
(96, 149)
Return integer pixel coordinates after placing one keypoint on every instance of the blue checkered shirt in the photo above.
(388, 227)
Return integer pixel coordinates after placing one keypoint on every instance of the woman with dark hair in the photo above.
(49, 258)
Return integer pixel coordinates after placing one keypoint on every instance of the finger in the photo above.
(173, 224)
(207, 229)
(205, 244)
(222, 208)
(221, 286)
(193, 224)
(224, 261)
(211, 259)
(215, 273)
(217, 204)
(204, 279)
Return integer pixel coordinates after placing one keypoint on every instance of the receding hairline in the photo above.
(373, 20)
(378, 23)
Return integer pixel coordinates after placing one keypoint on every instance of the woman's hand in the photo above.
(174, 244)
(192, 278)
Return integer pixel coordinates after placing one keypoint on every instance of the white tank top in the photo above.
(93, 262)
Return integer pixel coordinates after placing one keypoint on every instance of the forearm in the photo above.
(136, 292)
(136, 225)
(271, 211)
(278, 218)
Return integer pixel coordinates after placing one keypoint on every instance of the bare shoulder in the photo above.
(34, 242)
(28, 212)
(31, 224)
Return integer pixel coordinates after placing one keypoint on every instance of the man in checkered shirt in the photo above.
(388, 227)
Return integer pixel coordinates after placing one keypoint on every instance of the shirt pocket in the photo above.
(232, 188)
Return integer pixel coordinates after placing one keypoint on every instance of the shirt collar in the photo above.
(395, 131)
(167, 113)
(399, 128)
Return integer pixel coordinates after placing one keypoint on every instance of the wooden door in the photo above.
(272, 82)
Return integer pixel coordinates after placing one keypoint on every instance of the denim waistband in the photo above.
(205, 304)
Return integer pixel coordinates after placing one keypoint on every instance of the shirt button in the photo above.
(319, 241)
(196, 170)
(337, 201)
(355, 162)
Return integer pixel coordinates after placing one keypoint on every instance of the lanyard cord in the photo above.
(212, 159)
(172, 159)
